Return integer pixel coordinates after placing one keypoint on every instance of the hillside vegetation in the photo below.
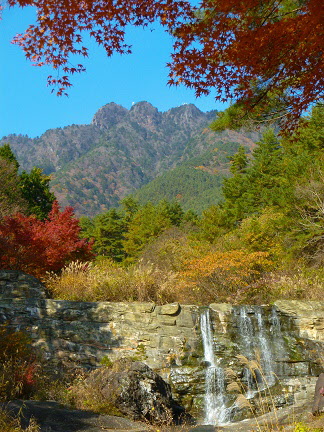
(195, 184)
(93, 166)
(261, 239)
(264, 240)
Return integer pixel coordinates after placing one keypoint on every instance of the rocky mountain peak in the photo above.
(146, 115)
(185, 115)
(109, 115)
(94, 166)
(143, 107)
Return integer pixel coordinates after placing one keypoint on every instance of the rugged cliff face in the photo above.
(192, 347)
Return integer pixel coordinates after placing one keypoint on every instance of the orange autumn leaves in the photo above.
(230, 271)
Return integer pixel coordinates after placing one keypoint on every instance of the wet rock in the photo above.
(289, 337)
(204, 428)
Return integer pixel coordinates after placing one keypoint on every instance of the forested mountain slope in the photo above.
(196, 183)
(94, 166)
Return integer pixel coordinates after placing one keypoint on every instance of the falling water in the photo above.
(255, 338)
(265, 352)
(246, 334)
(216, 412)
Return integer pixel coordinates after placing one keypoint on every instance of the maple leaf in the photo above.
(250, 51)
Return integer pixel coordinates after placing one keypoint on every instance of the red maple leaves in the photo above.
(252, 51)
(61, 25)
(35, 246)
(249, 51)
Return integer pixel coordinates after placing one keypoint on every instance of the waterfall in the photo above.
(254, 338)
(258, 335)
(216, 412)
(246, 336)
(266, 359)
(246, 332)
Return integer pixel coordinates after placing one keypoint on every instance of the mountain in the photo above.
(94, 166)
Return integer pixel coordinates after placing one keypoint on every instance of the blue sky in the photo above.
(28, 106)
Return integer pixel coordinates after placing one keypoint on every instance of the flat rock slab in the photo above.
(51, 417)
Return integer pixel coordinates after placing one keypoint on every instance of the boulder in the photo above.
(318, 403)
(137, 392)
(170, 309)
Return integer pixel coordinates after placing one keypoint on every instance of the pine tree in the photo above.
(35, 189)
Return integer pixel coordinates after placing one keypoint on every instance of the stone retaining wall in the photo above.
(167, 338)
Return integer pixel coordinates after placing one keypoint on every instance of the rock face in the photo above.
(287, 337)
(318, 404)
(20, 285)
(136, 391)
(109, 115)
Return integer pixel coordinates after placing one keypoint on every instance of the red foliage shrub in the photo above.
(36, 246)
(18, 364)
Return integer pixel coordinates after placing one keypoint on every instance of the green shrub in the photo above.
(301, 427)
(105, 361)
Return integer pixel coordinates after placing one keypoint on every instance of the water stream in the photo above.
(256, 342)
(259, 337)
(216, 412)
(246, 336)
(266, 358)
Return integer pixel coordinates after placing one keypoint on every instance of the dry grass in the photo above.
(11, 424)
(10, 388)
(145, 281)
(266, 416)
(263, 401)
(299, 283)
(87, 396)
(106, 281)
(302, 283)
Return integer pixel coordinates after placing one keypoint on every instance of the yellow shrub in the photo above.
(225, 275)
(106, 281)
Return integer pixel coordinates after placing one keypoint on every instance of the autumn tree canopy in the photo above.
(262, 53)
(265, 54)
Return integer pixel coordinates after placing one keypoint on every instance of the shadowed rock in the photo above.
(318, 404)
(137, 392)
(51, 416)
